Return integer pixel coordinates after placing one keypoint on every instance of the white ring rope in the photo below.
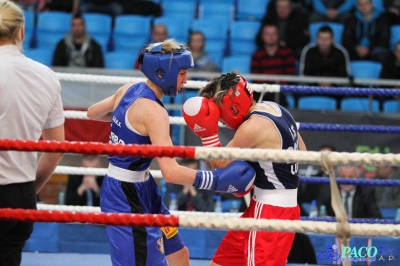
(220, 221)
(123, 80)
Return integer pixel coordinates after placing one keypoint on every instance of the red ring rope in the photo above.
(98, 148)
(95, 218)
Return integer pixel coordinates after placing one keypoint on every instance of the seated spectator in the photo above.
(77, 48)
(293, 28)
(392, 11)
(309, 192)
(367, 33)
(203, 62)
(387, 196)
(331, 10)
(110, 7)
(188, 197)
(359, 201)
(159, 33)
(324, 59)
(391, 70)
(272, 58)
(84, 190)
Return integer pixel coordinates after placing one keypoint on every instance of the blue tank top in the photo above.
(123, 133)
(270, 175)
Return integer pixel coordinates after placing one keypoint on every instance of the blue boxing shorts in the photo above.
(137, 245)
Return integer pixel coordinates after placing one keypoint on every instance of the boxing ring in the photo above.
(340, 227)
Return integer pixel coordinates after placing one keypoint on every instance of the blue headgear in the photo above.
(163, 68)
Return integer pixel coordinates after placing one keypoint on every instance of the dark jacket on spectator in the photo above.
(377, 29)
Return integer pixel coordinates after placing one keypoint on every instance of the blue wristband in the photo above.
(204, 180)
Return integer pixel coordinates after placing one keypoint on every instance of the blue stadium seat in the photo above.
(215, 32)
(99, 26)
(359, 104)
(365, 69)
(41, 55)
(251, 9)
(119, 60)
(394, 35)
(186, 9)
(222, 10)
(391, 106)
(29, 21)
(242, 37)
(337, 29)
(317, 103)
(131, 32)
(240, 63)
(178, 27)
(51, 27)
(388, 213)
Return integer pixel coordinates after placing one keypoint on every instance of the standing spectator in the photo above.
(359, 201)
(159, 33)
(77, 48)
(110, 7)
(367, 33)
(188, 197)
(84, 190)
(332, 10)
(387, 196)
(293, 28)
(203, 62)
(272, 58)
(391, 70)
(324, 59)
(30, 108)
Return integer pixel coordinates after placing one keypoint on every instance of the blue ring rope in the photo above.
(347, 91)
(351, 181)
(349, 128)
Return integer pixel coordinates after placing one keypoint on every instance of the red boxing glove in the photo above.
(202, 116)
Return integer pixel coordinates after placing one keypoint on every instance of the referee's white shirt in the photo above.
(30, 101)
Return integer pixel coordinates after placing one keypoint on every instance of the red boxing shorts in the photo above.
(256, 248)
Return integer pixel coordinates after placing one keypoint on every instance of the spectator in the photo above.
(293, 28)
(324, 59)
(331, 10)
(272, 58)
(203, 62)
(392, 11)
(387, 196)
(391, 70)
(110, 7)
(84, 190)
(77, 48)
(359, 201)
(309, 192)
(159, 33)
(367, 33)
(188, 197)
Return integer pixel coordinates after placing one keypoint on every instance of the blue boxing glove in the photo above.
(238, 177)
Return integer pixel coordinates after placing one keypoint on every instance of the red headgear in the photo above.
(235, 106)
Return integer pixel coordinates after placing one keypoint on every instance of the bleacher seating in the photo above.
(131, 32)
(251, 9)
(119, 60)
(99, 26)
(394, 35)
(242, 37)
(222, 10)
(41, 55)
(365, 69)
(51, 28)
(317, 103)
(186, 9)
(178, 27)
(391, 106)
(360, 104)
(240, 63)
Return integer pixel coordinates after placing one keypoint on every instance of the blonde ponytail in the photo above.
(11, 20)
